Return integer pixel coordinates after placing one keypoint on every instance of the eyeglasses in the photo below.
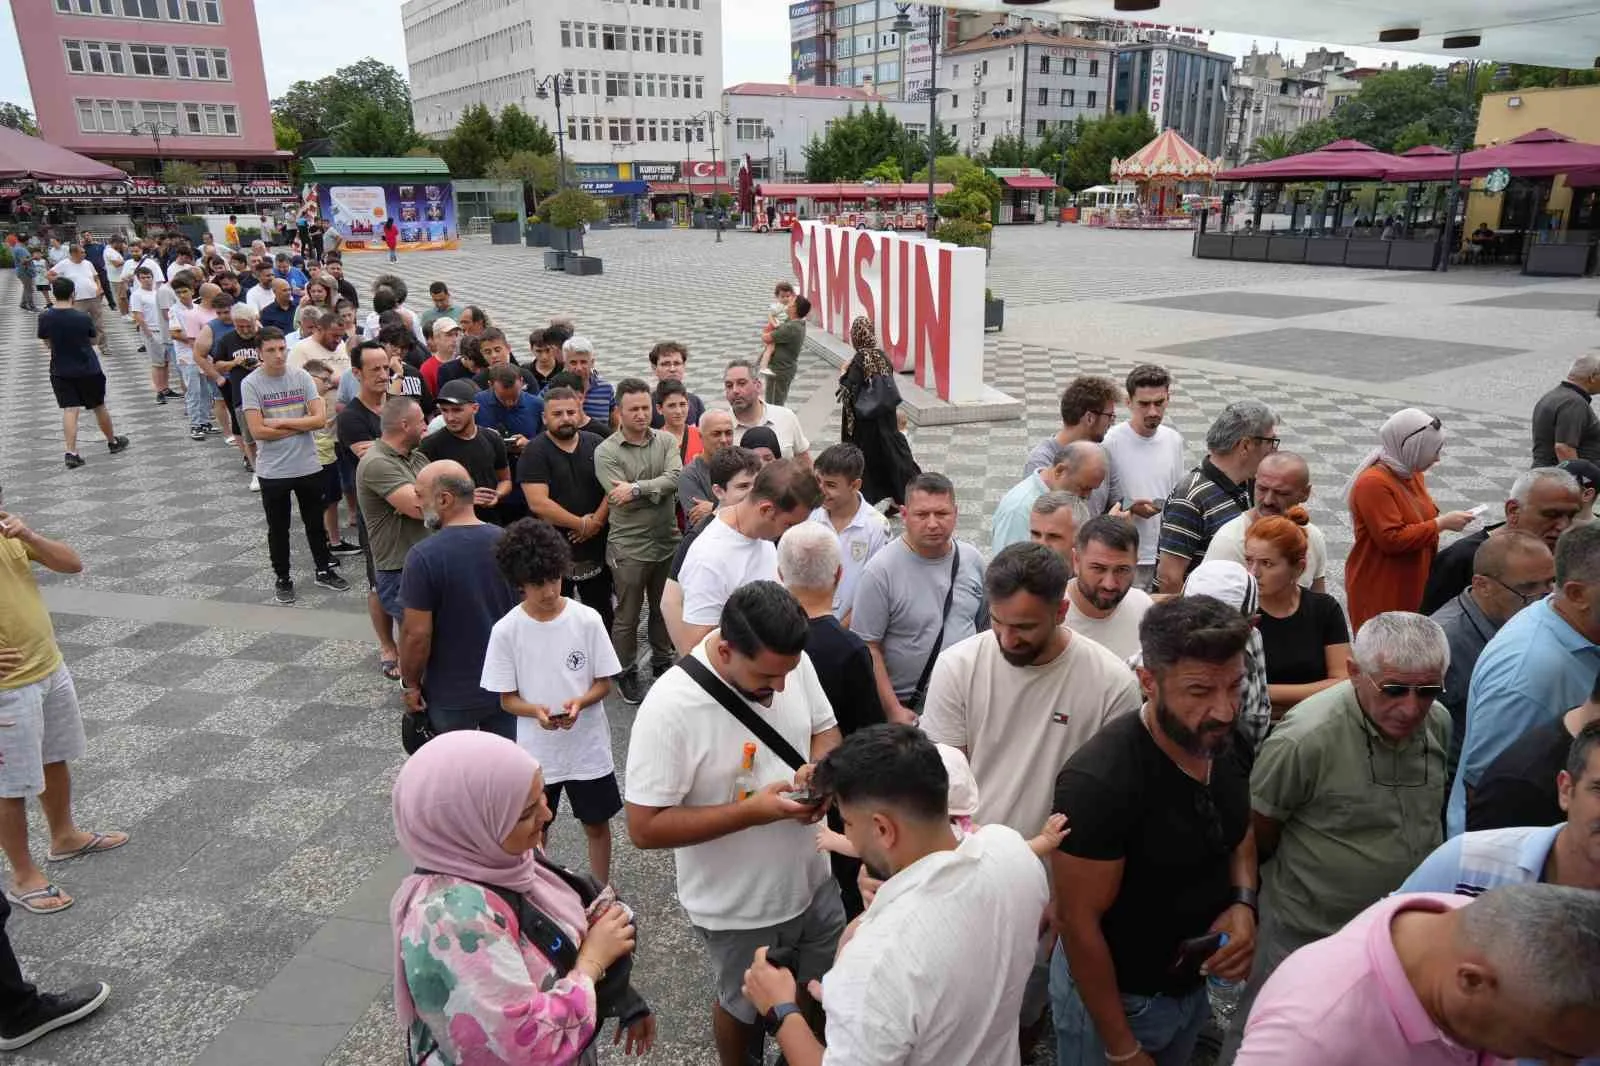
(1272, 443)
(1395, 779)
(1541, 589)
(1109, 416)
(1394, 690)
(1434, 425)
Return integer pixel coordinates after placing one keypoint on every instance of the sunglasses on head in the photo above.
(1434, 425)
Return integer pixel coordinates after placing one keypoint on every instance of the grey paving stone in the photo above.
(1369, 357)
(1542, 301)
(1252, 304)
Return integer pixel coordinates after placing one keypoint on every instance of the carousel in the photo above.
(1173, 179)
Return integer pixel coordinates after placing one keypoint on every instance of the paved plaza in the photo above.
(249, 749)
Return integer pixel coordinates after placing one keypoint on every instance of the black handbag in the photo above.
(878, 396)
(415, 731)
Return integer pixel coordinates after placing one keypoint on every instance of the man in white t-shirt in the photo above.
(1103, 602)
(1021, 698)
(115, 259)
(1283, 481)
(144, 303)
(748, 871)
(740, 544)
(861, 528)
(742, 388)
(324, 342)
(86, 295)
(260, 294)
(1146, 460)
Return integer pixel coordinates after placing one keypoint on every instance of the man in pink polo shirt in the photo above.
(1436, 980)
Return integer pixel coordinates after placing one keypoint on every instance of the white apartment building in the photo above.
(640, 71)
(1025, 83)
(795, 114)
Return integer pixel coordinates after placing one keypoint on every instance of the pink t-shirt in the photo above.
(1345, 1001)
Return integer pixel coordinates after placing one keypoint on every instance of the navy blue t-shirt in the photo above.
(70, 333)
(453, 575)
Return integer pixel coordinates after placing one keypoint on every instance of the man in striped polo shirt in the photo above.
(1215, 492)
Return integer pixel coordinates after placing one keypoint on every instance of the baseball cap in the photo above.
(1587, 472)
(445, 324)
(459, 391)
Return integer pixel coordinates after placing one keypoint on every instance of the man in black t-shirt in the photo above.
(557, 476)
(358, 425)
(1160, 852)
(479, 450)
(75, 374)
(1519, 788)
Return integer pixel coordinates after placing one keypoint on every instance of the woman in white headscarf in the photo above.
(1397, 524)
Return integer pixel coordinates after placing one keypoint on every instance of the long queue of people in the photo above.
(859, 741)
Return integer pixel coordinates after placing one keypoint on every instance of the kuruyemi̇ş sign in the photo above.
(924, 297)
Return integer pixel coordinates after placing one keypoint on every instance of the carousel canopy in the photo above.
(1345, 160)
(22, 156)
(1167, 158)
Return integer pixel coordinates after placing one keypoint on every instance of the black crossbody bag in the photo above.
(921, 692)
(719, 691)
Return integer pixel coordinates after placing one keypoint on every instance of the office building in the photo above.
(1272, 94)
(137, 82)
(640, 72)
(858, 45)
(1179, 82)
(1021, 83)
(795, 114)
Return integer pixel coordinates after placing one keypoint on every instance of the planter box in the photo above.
(537, 234)
(602, 224)
(1367, 253)
(994, 314)
(1412, 255)
(1287, 250)
(699, 220)
(1251, 249)
(564, 240)
(582, 265)
(1557, 260)
(503, 232)
(654, 224)
(1326, 251)
(555, 259)
(1213, 246)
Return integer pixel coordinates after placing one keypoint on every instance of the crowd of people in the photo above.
(1129, 775)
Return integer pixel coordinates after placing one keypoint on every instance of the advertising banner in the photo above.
(805, 19)
(425, 213)
(919, 63)
(661, 172)
(803, 60)
(1158, 87)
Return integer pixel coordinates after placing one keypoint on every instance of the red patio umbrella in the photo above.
(22, 156)
(1537, 154)
(1345, 160)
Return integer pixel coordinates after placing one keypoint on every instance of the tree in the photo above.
(1098, 141)
(539, 174)
(517, 131)
(1394, 100)
(570, 208)
(284, 135)
(17, 117)
(318, 108)
(1009, 152)
(470, 148)
(1415, 135)
(1270, 146)
(946, 168)
(886, 171)
(371, 130)
(1313, 135)
(858, 142)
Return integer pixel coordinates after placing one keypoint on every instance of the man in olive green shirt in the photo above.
(1346, 791)
(787, 340)
(386, 492)
(639, 467)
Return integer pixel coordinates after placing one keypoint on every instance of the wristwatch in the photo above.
(775, 1016)
(636, 491)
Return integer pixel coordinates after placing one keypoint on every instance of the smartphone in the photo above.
(1478, 511)
(560, 712)
(804, 797)
(1193, 953)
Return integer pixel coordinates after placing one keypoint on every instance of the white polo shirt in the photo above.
(907, 990)
(859, 541)
(1228, 543)
(685, 751)
(782, 421)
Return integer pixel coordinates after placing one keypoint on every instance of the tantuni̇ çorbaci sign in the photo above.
(924, 297)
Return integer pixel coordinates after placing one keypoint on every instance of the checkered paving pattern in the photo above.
(253, 769)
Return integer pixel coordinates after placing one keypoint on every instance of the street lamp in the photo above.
(903, 25)
(1465, 122)
(155, 130)
(767, 133)
(541, 91)
(711, 120)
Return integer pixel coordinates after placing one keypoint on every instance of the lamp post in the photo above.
(541, 91)
(156, 130)
(766, 131)
(711, 120)
(903, 25)
(1465, 122)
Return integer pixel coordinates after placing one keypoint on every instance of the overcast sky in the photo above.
(310, 38)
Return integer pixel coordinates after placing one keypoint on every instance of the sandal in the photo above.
(26, 900)
(98, 842)
(391, 669)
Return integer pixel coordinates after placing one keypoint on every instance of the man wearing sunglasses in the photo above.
(1345, 792)
(1543, 502)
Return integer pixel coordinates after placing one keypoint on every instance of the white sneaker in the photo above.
(228, 439)
(255, 483)
(127, 318)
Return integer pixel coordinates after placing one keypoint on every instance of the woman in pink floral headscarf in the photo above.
(471, 986)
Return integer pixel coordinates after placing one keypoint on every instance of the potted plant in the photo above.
(568, 211)
(994, 311)
(658, 218)
(537, 232)
(503, 227)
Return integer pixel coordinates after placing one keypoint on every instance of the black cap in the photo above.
(1587, 473)
(459, 391)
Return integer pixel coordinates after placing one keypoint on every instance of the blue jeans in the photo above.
(1167, 1027)
(199, 391)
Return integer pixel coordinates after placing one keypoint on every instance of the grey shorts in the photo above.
(39, 725)
(160, 354)
(389, 593)
(814, 933)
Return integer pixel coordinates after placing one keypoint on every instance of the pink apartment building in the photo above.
(109, 76)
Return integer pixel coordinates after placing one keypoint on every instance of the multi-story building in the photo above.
(136, 82)
(1179, 82)
(772, 124)
(1269, 94)
(1021, 83)
(639, 73)
(858, 44)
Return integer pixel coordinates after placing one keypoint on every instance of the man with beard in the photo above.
(480, 451)
(741, 387)
(1161, 853)
(557, 476)
(1103, 602)
(1088, 408)
(1283, 482)
(896, 994)
(1148, 458)
(748, 871)
(1020, 699)
(1345, 792)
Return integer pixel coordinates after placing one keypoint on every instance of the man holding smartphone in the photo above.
(1146, 460)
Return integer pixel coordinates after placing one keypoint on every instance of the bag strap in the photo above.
(537, 927)
(719, 691)
(1239, 494)
(944, 619)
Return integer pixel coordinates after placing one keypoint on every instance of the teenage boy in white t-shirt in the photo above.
(861, 529)
(551, 660)
(1146, 460)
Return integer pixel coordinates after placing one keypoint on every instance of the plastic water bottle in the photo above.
(1224, 996)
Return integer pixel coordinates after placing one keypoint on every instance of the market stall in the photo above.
(862, 205)
(1173, 178)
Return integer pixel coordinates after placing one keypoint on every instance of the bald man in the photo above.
(451, 583)
(1283, 481)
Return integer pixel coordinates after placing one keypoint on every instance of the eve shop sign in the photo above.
(924, 297)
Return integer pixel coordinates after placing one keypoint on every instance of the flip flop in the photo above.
(25, 900)
(98, 842)
(391, 670)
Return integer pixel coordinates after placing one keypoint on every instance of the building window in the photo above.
(699, 87)
(86, 117)
(1093, 100)
(955, 71)
(566, 35)
(1094, 68)
(1067, 97)
(1009, 96)
(1069, 66)
(1044, 64)
(614, 39)
(955, 101)
(748, 129)
(985, 71)
(1044, 96)
(1039, 128)
(74, 56)
(983, 129)
(699, 42)
(1011, 62)
(952, 129)
(983, 99)
(633, 39)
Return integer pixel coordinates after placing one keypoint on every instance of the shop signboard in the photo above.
(142, 188)
(425, 214)
(803, 60)
(656, 172)
(1158, 87)
(919, 63)
(805, 19)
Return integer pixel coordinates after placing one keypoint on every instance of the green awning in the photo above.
(325, 168)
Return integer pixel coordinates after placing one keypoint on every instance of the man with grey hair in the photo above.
(1215, 492)
(1283, 482)
(1539, 665)
(599, 397)
(695, 499)
(1543, 502)
(1080, 468)
(1564, 423)
(1345, 792)
(809, 566)
(1424, 979)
